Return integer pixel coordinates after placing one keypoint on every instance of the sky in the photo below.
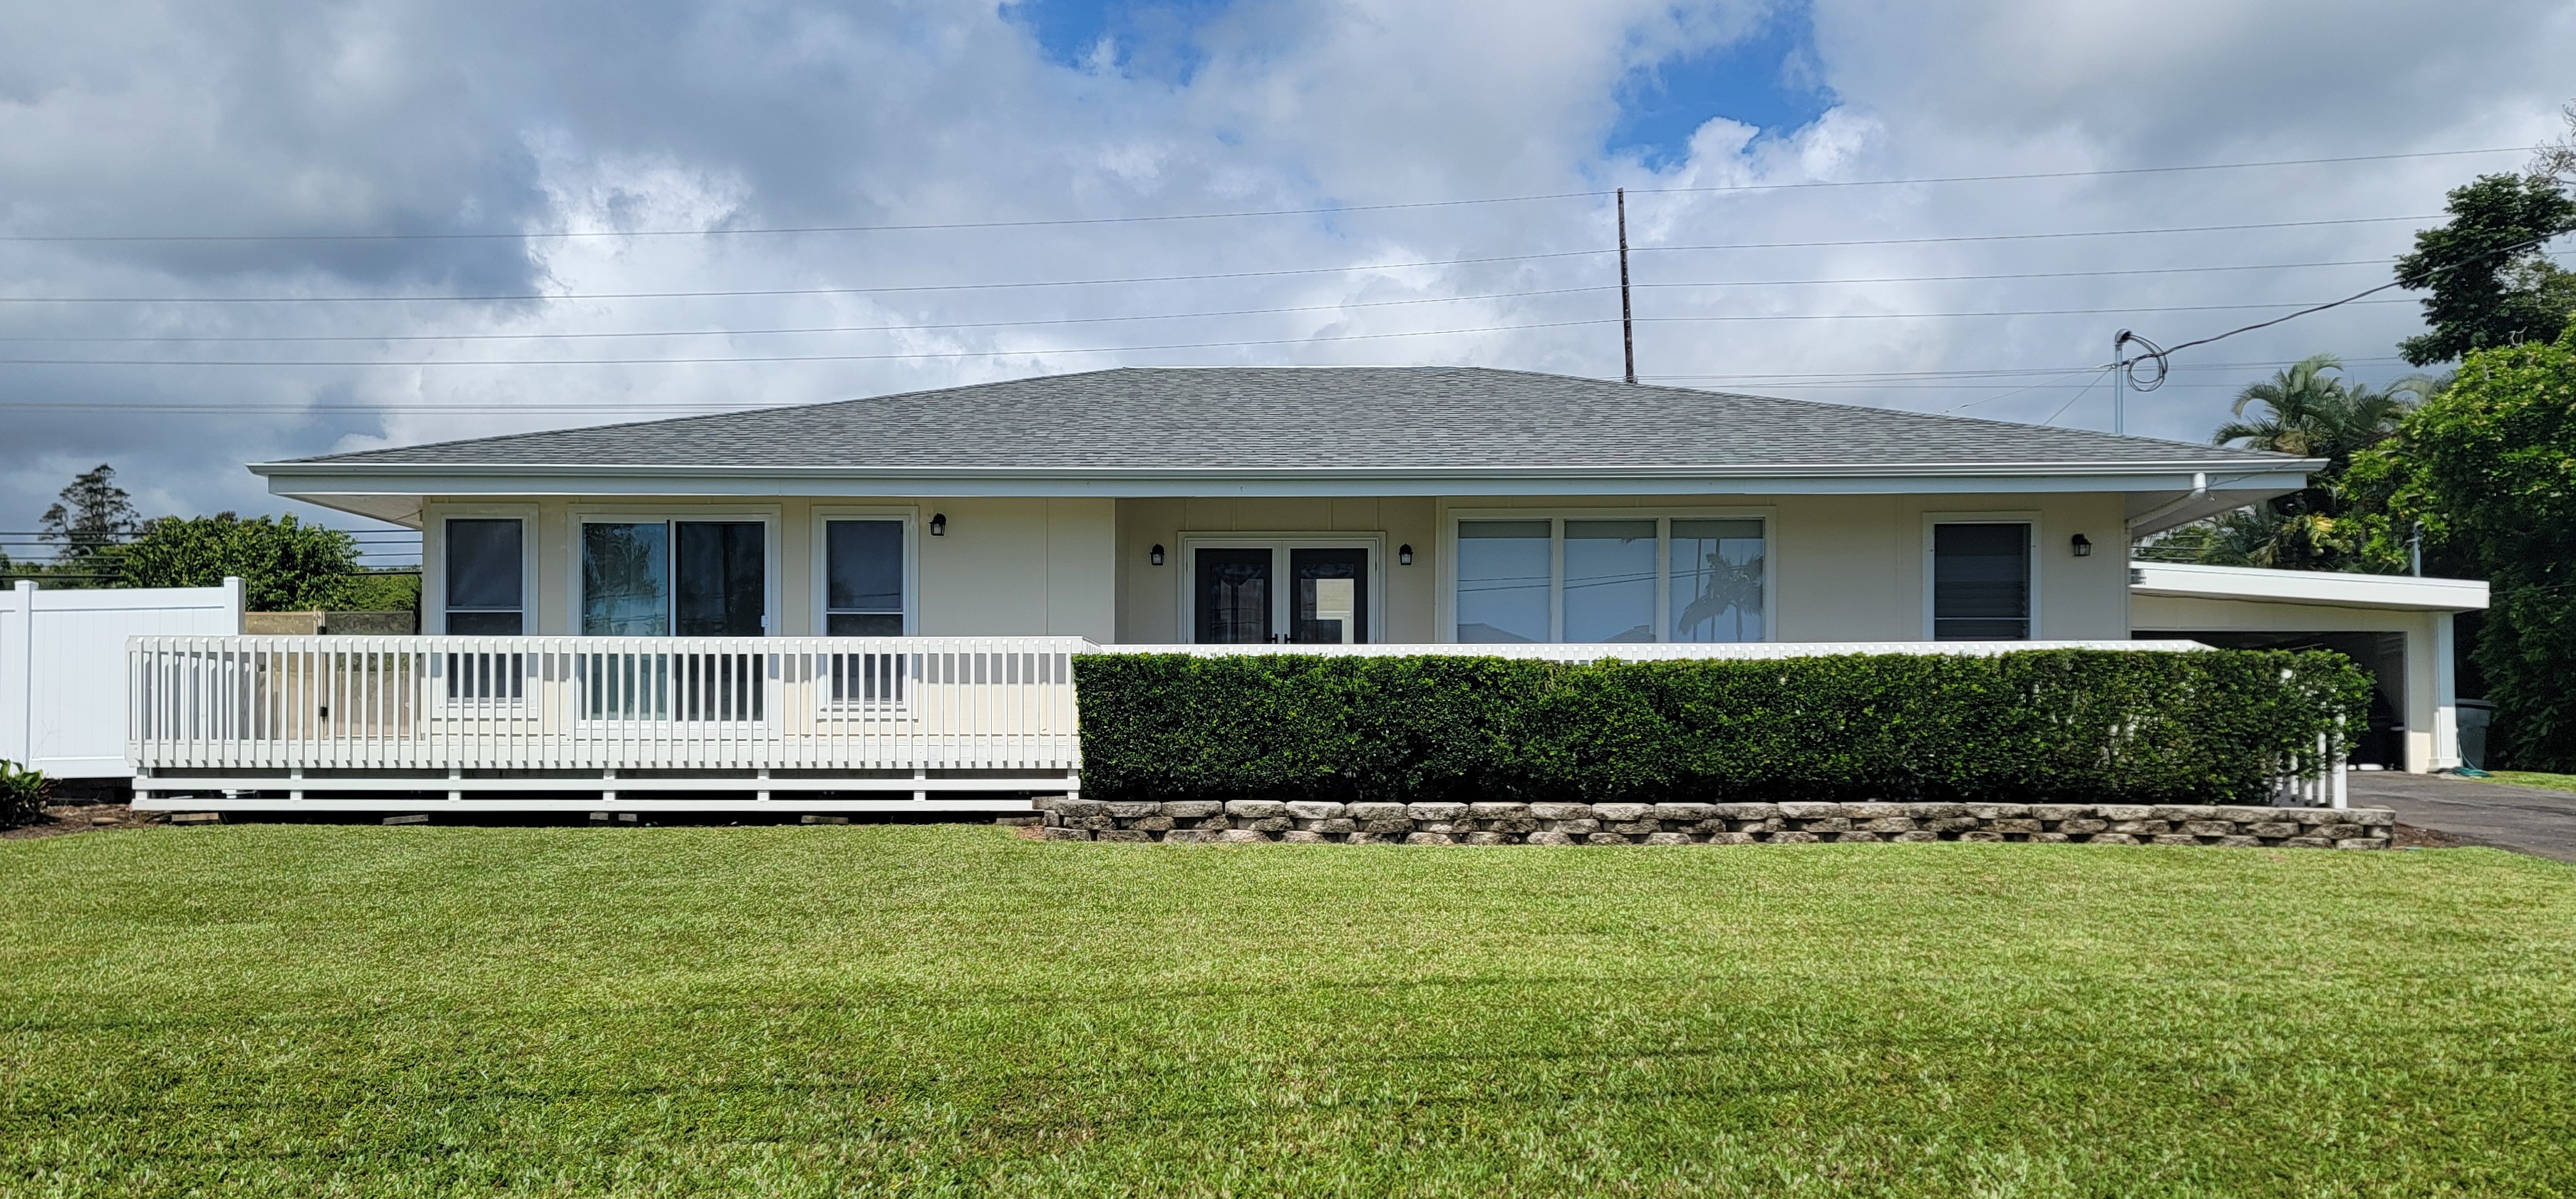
(239, 233)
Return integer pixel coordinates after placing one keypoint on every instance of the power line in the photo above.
(1283, 272)
(1319, 210)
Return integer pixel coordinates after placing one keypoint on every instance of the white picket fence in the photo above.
(62, 667)
(545, 723)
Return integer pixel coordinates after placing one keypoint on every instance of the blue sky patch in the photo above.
(1767, 81)
(1151, 38)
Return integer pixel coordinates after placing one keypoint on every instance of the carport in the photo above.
(2397, 627)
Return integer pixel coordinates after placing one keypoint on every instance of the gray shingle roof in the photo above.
(1269, 418)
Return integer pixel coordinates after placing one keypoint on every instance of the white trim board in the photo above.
(2323, 588)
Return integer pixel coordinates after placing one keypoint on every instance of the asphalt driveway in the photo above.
(2533, 820)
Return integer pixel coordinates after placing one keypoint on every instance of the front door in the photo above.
(1304, 594)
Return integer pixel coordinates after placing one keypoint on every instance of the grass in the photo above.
(925, 1010)
(2534, 778)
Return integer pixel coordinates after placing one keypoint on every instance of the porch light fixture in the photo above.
(2083, 546)
(1404, 555)
(939, 524)
(1155, 555)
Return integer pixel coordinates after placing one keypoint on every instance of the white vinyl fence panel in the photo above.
(63, 667)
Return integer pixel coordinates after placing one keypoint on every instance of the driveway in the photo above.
(2531, 819)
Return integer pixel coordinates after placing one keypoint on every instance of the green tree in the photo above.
(2308, 411)
(2489, 467)
(284, 564)
(88, 518)
(2491, 282)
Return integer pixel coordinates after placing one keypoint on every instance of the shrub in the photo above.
(22, 794)
(2069, 725)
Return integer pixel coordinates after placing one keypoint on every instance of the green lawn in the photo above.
(305, 1010)
(2533, 778)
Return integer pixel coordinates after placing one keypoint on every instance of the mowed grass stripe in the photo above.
(291, 1009)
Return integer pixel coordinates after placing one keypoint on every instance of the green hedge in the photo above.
(2072, 725)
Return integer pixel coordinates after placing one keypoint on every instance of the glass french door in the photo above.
(1242, 595)
(689, 577)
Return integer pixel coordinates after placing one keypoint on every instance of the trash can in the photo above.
(2475, 716)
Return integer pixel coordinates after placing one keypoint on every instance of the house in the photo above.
(1246, 506)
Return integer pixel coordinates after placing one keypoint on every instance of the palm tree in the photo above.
(2308, 411)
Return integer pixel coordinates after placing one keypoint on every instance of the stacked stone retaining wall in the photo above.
(1252, 820)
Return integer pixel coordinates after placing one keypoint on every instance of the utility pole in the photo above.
(2119, 384)
(1627, 317)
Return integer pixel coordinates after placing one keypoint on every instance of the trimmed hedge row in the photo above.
(2086, 726)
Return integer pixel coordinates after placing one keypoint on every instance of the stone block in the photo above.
(1073, 808)
(1129, 810)
(1874, 809)
(1604, 839)
(1826, 824)
(1917, 836)
(1578, 827)
(1744, 811)
(1255, 808)
(1094, 823)
(1192, 809)
(1856, 835)
(1684, 812)
(1889, 824)
(1125, 836)
(1066, 834)
(1304, 836)
(2174, 839)
(1668, 838)
(1365, 837)
(2277, 828)
(2314, 815)
(2360, 843)
(1444, 826)
(1152, 824)
(2176, 813)
(2233, 841)
(1243, 836)
(2080, 827)
(1517, 826)
(1551, 837)
(1724, 838)
(1999, 811)
(2307, 843)
(1386, 828)
(1376, 811)
(2338, 831)
(2119, 813)
(1429, 839)
(1490, 839)
(2012, 824)
(1498, 810)
(2141, 828)
(2060, 812)
(1952, 824)
(1622, 813)
(1270, 824)
(2111, 839)
(2240, 813)
(1637, 828)
(1314, 809)
(1216, 822)
(1435, 811)
(1981, 834)
(1561, 811)
(1810, 810)
(2050, 838)
(2372, 817)
(2209, 828)
(1936, 811)
(1330, 828)
(1773, 825)
(1793, 837)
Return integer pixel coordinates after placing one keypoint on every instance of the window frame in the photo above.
(1279, 544)
(2030, 519)
(1663, 516)
(819, 562)
(772, 563)
(433, 564)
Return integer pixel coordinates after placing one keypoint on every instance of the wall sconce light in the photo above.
(1404, 555)
(1155, 555)
(939, 524)
(2083, 546)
